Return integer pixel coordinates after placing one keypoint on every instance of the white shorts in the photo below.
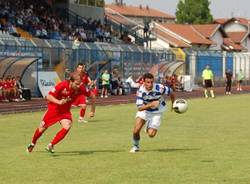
(153, 120)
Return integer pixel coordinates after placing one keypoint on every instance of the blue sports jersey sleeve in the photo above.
(139, 99)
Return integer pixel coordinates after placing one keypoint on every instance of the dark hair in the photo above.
(81, 64)
(148, 76)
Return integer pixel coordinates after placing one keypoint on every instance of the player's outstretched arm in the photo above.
(150, 105)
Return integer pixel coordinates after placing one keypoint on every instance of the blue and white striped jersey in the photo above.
(158, 91)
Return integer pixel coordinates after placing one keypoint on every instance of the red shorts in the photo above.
(51, 117)
(81, 99)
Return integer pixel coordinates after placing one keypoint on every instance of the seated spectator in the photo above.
(6, 89)
(12, 30)
(20, 88)
(107, 36)
(83, 35)
(120, 90)
(114, 85)
(99, 33)
(76, 43)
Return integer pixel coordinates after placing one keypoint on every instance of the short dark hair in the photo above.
(148, 76)
(80, 64)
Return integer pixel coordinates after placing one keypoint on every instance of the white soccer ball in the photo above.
(180, 106)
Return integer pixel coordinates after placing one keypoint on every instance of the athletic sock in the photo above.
(136, 141)
(205, 93)
(82, 112)
(59, 136)
(36, 136)
(212, 93)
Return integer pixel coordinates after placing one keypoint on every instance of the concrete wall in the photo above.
(87, 11)
(233, 27)
(218, 40)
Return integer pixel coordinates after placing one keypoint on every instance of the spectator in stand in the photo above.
(120, 90)
(107, 35)
(99, 33)
(83, 35)
(12, 30)
(229, 76)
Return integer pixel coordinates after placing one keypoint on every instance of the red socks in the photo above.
(36, 136)
(59, 136)
(82, 112)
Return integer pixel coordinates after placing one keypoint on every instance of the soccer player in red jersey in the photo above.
(80, 101)
(60, 99)
(1, 90)
(6, 87)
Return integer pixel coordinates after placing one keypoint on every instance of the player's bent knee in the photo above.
(66, 124)
(83, 106)
(152, 133)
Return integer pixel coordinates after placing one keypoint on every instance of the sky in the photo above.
(219, 8)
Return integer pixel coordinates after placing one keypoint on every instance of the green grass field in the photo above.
(209, 144)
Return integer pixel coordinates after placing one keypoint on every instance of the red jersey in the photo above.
(8, 84)
(85, 79)
(5, 85)
(63, 91)
(12, 83)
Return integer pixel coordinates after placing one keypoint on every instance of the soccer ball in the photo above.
(180, 106)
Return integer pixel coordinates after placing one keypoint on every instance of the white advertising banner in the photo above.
(46, 81)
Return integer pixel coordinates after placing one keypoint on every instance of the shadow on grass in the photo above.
(88, 152)
(78, 153)
(172, 150)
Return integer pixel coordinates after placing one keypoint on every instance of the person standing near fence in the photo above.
(240, 78)
(105, 83)
(229, 76)
(208, 81)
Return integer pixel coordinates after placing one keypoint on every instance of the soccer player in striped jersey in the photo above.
(151, 105)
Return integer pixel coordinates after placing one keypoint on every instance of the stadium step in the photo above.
(24, 34)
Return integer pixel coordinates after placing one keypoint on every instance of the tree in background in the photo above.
(193, 12)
